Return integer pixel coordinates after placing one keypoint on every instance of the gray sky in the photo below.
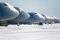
(48, 7)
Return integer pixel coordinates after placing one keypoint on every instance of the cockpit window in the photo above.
(5, 4)
(32, 13)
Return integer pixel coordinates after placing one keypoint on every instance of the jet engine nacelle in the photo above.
(7, 12)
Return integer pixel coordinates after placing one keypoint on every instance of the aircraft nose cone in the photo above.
(7, 12)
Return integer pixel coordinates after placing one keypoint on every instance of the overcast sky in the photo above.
(48, 7)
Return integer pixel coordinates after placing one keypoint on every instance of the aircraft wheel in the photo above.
(40, 23)
(18, 24)
(5, 25)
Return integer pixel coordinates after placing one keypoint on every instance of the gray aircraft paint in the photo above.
(7, 12)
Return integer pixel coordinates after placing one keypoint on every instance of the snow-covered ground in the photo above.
(30, 32)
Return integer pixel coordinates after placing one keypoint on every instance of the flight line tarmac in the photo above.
(30, 32)
(31, 28)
